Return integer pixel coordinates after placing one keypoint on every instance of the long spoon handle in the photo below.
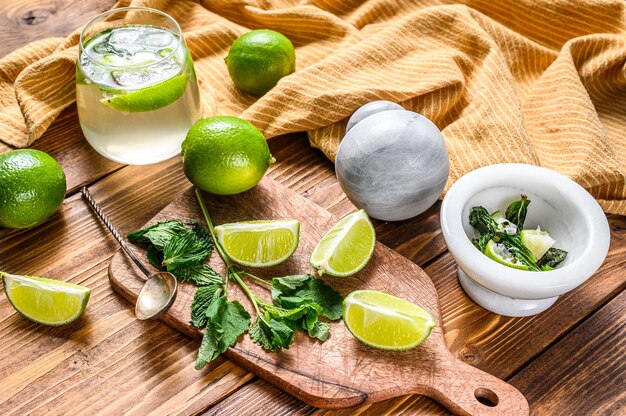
(96, 208)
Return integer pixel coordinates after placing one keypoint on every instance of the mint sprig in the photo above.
(298, 301)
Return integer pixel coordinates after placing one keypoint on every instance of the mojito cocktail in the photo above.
(136, 88)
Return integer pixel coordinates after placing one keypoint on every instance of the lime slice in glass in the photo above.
(499, 253)
(386, 322)
(46, 301)
(537, 241)
(149, 98)
(347, 247)
(259, 243)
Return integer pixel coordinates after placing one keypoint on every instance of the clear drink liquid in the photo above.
(136, 93)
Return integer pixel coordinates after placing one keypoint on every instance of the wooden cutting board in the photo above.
(340, 372)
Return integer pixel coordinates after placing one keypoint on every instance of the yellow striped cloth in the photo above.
(540, 82)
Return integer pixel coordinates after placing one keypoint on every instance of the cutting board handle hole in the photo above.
(486, 397)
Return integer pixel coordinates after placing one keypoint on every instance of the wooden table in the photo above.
(568, 360)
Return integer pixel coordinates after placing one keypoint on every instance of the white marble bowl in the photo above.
(561, 206)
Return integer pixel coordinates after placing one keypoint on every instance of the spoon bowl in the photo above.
(159, 291)
(156, 296)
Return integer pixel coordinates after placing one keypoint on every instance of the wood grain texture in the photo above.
(107, 361)
(499, 345)
(599, 387)
(27, 20)
(133, 194)
(340, 372)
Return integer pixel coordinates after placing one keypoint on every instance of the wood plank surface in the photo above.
(599, 387)
(27, 20)
(566, 360)
(64, 368)
(499, 345)
(340, 372)
(75, 369)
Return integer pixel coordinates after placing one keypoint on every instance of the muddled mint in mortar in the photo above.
(502, 239)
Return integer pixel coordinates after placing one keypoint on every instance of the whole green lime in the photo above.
(225, 155)
(259, 59)
(32, 188)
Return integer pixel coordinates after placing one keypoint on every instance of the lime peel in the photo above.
(45, 301)
(491, 251)
(150, 98)
(225, 155)
(386, 322)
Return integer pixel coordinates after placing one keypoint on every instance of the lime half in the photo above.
(259, 243)
(499, 253)
(46, 301)
(150, 98)
(537, 241)
(386, 322)
(347, 247)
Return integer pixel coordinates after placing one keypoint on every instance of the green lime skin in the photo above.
(259, 59)
(150, 98)
(225, 155)
(32, 188)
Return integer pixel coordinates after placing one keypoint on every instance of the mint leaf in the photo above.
(209, 349)
(201, 274)
(261, 334)
(301, 318)
(172, 244)
(282, 334)
(292, 291)
(235, 321)
(225, 322)
(184, 249)
(321, 331)
(215, 311)
(158, 234)
(271, 336)
(155, 257)
(202, 299)
(516, 212)
(290, 282)
(279, 313)
(202, 234)
(552, 258)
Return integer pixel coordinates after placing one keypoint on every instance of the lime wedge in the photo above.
(150, 98)
(499, 253)
(386, 322)
(46, 301)
(537, 241)
(259, 243)
(496, 215)
(347, 247)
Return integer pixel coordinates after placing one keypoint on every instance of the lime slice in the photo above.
(46, 301)
(259, 243)
(347, 247)
(149, 98)
(386, 322)
(499, 253)
(537, 241)
(496, 215)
